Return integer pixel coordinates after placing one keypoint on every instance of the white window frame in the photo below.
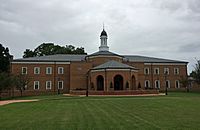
(168, 83)
(148, 82)
(166, 70)
(47, 84)
(177, 81)
(25, 69)
(176, 71)
(158, 70)
(156, 84)
(35, 85)
(62, 84)
(47, 68)
(148, 71)
(61, 68)
(35, 68)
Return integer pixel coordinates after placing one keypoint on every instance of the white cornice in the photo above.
(165, 63)
(26, 62)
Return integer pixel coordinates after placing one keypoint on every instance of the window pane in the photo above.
(49, 70)
(24, 70)
(36, 70)
(60, 84)
(36, 84)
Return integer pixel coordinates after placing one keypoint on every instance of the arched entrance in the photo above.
(118, 82)
(100, 83)
(133, 83)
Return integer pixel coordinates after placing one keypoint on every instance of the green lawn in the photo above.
(175, 111)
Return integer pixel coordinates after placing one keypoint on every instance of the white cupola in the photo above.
(103, 37)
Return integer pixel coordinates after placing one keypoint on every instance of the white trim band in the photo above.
(26, 62)
(165, 63)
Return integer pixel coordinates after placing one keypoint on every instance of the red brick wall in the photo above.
(43, 77)
(152, 77)
(75, 75)
(78, 75)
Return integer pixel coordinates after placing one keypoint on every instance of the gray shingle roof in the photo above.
(57, 57)
(113, 65)
(68, 57)
(136, 58)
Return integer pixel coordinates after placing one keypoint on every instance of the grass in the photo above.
(175, 111)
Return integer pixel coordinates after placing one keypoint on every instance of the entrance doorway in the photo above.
(100, 83)
(118, 82)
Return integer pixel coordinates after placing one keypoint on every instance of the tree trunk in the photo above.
(21, 92)
(0, 94)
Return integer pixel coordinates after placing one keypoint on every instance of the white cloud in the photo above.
(161, 28)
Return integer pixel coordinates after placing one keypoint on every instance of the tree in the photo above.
(29, 53)
(185, 82)
(51, 49)
(21, 82)
(196, 72)
(5, 82)
(5, 58)
(79, 50)
(45, 49)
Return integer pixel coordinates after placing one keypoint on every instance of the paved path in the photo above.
(14, 101)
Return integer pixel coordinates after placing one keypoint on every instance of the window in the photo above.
(36, 70)
(60, 84)
(177, 84)
(60, 70)
(147, 84)
(36, 85)
(176, 71)
(156, 70)
(48, 84)
(24, 70)
(157, 84)
(146, 70)
(48, 70)
(166, 71)
(167, 83)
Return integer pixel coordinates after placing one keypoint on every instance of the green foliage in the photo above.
(21, 82)
(184, 81)
(51, 49)
(175, 111)
(5, 58)
(29, 53)
(196, 72)
(6, 82)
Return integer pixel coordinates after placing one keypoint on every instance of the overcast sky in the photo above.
(158, 28)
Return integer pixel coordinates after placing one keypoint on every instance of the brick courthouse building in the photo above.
(102, 71)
